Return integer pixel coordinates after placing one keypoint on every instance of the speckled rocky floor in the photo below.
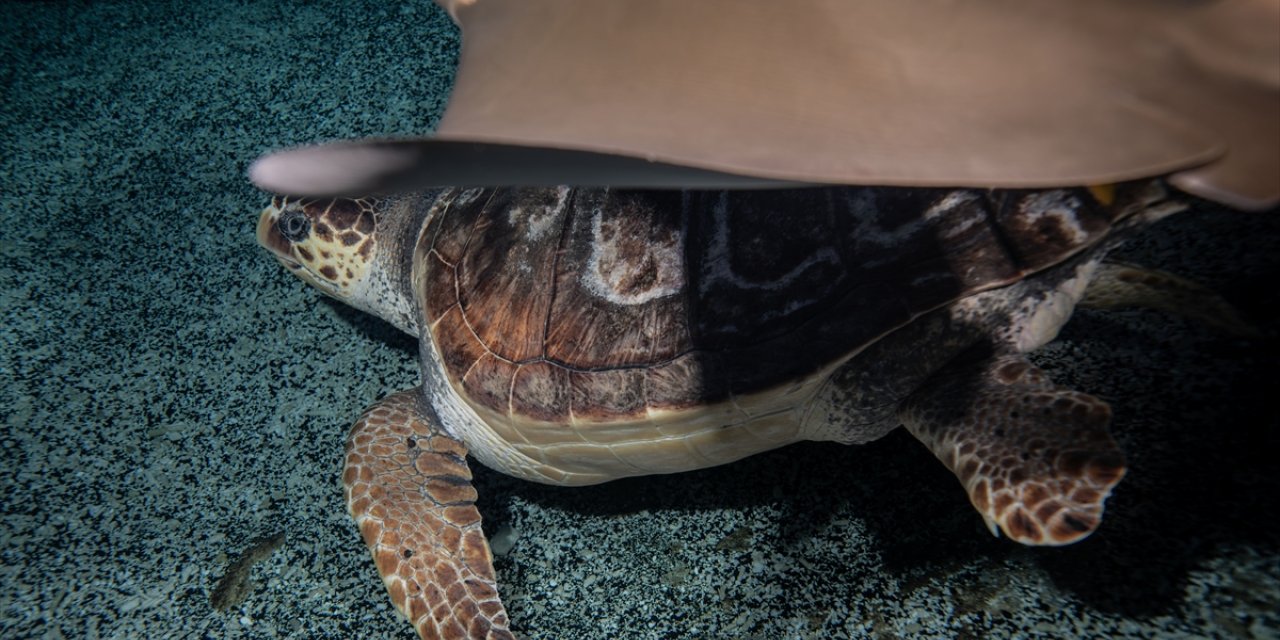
(170, 395)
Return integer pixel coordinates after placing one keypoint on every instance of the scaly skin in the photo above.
(1037, 460)
(409, 489)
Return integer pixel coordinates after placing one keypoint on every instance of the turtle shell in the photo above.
(594, 306)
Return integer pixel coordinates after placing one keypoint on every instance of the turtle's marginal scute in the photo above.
(690, 378)
(542, 391)
(488, 382)
(611, 394)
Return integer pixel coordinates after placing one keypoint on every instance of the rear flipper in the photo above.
(1037, 460)
(409, 489)
(1117, 285)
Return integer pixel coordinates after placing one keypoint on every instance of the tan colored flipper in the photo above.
(1037, 460)
(1117, 285)
(409, 489)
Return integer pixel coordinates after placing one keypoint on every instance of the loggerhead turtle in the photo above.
(573, 336)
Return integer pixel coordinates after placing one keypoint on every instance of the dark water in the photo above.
(170, 395)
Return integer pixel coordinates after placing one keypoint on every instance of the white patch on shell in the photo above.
(538, 223)
(466, 197)
(609, 266)
(951, 207)
(1059, 205)
(869, 229)
(718, 265)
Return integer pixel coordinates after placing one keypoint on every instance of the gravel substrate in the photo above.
(171, 396)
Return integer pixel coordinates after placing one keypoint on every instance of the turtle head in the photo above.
(337, 246)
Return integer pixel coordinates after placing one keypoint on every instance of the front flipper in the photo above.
(409, 489)
(1037, 460)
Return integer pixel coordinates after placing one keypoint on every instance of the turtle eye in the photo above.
(293, 225)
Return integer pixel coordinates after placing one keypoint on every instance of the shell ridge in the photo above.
(566, 225)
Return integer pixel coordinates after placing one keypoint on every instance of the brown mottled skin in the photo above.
(409, 490)
(573, 336)
(1053, 490)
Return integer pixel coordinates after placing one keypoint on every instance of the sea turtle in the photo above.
(576, 335)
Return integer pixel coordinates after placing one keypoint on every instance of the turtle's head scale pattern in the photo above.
(345, 247)
(328, 243)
